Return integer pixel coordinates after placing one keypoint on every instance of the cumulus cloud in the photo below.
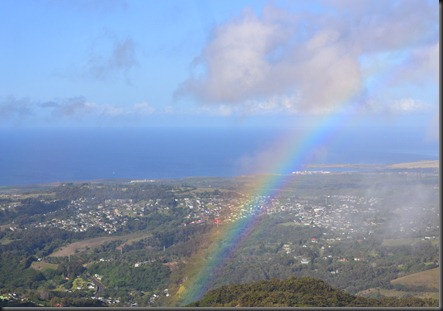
(234, 60)
(311, 63)
(326, 73)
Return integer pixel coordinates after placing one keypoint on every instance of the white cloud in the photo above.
(306, 63)
(109, 110)
(327, 73)
(399, 106)
(235, 60)
(143, 109)
(408, 105)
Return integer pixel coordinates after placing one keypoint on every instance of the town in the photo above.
(346, 215)
(321, 224)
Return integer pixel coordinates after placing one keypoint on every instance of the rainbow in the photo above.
(291, 154)
(225, 242)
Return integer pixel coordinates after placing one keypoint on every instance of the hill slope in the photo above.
(429, 279)
(297, 292)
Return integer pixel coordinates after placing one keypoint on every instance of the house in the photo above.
(305, 261)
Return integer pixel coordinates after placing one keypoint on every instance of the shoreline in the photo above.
(336, 168)
(402, 165)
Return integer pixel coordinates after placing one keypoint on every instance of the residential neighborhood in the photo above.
(346, 216)
(106, 216)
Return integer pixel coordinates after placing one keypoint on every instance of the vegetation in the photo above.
(120, 275)
(148, 256)
(427, 280)
(297, 292)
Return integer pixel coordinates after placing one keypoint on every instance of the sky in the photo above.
(204, 63)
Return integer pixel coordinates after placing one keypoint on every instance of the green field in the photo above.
(39, 266)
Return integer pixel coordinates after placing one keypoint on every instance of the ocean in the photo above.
(38, 156)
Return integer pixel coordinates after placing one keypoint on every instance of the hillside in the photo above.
(429, 279)
(298, 292)
(418, 164)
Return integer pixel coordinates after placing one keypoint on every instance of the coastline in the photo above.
(402, 165)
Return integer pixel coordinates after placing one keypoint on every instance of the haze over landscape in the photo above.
(199, 138)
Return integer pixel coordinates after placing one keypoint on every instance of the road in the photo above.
(100, 286)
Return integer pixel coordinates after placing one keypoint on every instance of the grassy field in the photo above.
(429, 278)
(397, 293)
(39, 266)
(84, 245)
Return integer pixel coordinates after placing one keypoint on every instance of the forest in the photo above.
(297, 292)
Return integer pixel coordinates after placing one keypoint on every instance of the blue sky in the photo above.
(141, 63)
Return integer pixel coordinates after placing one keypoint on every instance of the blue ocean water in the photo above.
(35, 156)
